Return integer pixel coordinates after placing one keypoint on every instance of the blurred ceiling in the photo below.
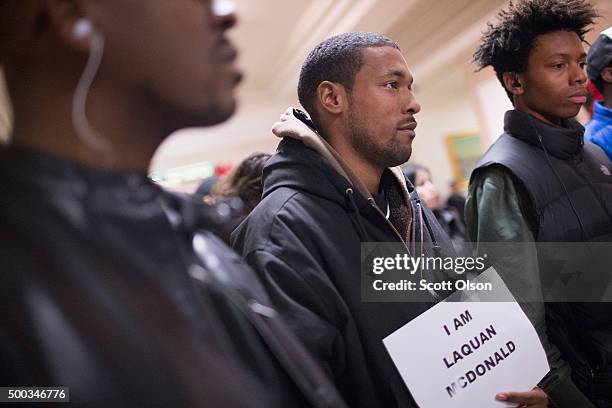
(274, 37)
(437, 38)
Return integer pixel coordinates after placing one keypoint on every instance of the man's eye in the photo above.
(559, 66)
(583, 64)
(391, 85)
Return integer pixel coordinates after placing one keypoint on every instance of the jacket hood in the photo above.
(306, 162)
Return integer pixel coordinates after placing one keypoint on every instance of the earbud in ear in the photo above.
(82, 28)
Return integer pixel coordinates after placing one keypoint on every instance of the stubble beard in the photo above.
(363, 142)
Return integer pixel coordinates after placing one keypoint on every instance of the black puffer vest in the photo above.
(569, 184)
(582, 167)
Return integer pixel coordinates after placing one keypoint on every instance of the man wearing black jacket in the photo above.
(541, 182)
(111, 286)
(326, 191)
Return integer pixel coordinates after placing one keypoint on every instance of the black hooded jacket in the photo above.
(304, 240)
(112, 287)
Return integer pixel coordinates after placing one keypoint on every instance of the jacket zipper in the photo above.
(390, 224)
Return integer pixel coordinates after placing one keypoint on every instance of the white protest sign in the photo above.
(461, 354)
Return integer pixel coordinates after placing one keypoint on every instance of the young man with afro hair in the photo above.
(541, 182)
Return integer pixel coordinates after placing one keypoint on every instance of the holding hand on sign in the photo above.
(535, 398)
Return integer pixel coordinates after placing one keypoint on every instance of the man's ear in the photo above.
(606, 74)
(67, 20)
(332, 97)
(513, 83)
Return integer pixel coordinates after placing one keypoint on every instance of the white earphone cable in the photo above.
(81, 124)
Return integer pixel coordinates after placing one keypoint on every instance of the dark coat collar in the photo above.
(562, 142)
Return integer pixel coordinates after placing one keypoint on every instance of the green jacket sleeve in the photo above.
(498, 210)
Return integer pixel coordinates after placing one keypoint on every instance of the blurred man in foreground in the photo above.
(106, 286)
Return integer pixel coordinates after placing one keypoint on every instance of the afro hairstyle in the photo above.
(506, 46)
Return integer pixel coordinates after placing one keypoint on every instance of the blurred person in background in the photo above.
(242, 184)
(206, 186)
(243, 181)
(593, 96)
(450, 220)
(106, 288)
(599, 71)
(540, 182)
(456, 199)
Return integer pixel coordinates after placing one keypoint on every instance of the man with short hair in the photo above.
(333, 184)
(599, 71)
(111, 286)
(540, 182)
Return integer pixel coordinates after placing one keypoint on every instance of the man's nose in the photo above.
(412, 106)
(578, 74)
